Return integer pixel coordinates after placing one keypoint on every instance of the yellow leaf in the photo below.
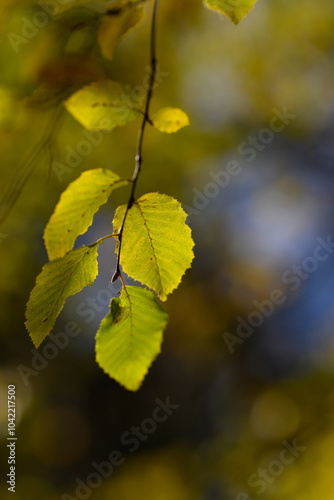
(104, 105)
(157, 247)
(76, 208)
(234, 9)
(170, 120)
(130, 336)
(59, 279)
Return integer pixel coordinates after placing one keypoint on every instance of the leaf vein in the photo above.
(151, 243)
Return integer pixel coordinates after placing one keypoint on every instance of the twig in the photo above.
(102, 239)
(146, 119)
(26, 167)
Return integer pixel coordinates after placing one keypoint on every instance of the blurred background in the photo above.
(248, 353)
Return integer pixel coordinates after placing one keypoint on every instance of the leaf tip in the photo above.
(233, 9)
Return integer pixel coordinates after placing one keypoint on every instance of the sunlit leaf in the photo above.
(58, 280)
(170, 120)
(76, 208)
(114, 26)
(105, 105)
(130, 336)
(157, 243)
(234, 9)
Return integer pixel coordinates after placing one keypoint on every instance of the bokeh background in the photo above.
(239, 405)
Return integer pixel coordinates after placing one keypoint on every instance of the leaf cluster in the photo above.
(154, 243)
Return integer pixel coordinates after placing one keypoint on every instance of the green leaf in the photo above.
(130, 336)
(170, 120)
(58, 280)
(105, 105)
(234, 9)
(114, 26)
(76, 208)
(157, 243)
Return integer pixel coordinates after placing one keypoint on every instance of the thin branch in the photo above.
(25, 168)
(146, 120)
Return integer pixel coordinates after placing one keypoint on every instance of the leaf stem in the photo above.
(146, 120)
(113, 235)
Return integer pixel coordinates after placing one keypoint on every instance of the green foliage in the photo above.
(104, 105)
(154, 243)
(77, 206)
(157, 244)
(130, 336)
(58, 280)
(234, 9)
(170, 120)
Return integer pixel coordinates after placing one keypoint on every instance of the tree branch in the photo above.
(146, 120)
